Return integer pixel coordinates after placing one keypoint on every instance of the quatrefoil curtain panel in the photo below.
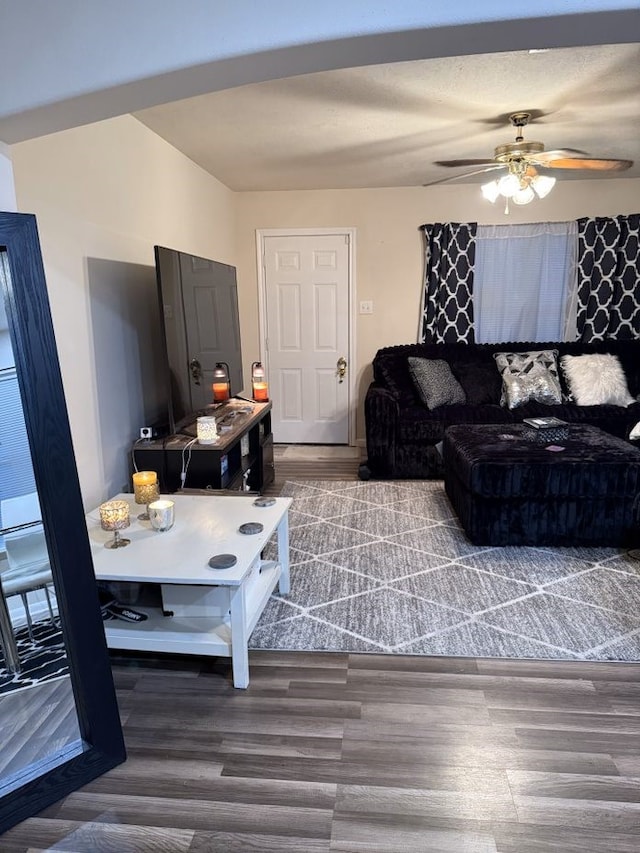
(447, 307)
(608, 303)
(598, 272)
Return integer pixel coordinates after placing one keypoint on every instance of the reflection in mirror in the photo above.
(54, 743)
(38, 720)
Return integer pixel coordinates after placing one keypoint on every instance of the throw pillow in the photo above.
(529, 376)
(596, 380)
(435, 383)
(480, 381)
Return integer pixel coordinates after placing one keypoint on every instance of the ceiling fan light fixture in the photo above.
(543, 185)
(524, 195)
(490, 191)
(508, 185)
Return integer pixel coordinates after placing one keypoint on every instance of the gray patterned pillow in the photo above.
(529, 376)
(435, 383)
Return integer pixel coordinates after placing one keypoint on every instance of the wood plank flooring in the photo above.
(327, 469)
(361, 753)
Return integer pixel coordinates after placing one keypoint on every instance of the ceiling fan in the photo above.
(521, 161)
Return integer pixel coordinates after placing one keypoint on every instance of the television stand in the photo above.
(241, 459)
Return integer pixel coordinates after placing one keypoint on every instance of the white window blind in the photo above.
(16, 470)
(525, 281)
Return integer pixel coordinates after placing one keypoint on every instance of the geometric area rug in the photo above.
(385, 567)
(42, 659)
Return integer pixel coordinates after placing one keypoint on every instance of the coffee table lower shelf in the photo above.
(202, 635)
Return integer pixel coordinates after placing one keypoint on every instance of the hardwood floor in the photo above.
(361, 754)
(336, 752)
(296, 469)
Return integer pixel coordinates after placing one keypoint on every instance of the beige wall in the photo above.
(104, 195)
(389, 257)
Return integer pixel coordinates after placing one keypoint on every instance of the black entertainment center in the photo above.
(240, 460)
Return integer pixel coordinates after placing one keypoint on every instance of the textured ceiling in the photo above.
(388, 125)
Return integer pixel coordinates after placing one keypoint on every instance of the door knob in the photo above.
(196, 370)
(341, 368)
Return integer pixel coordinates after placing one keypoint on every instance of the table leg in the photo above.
(239, 638)
(9, 648)
(283, 554)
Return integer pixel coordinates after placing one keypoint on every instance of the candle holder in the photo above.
(162, 515)
(145, 489)
(259, 386)
(221, 383)
(114, 516)
(207, 430)
(145, 493)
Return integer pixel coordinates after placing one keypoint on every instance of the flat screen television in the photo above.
(200, 328)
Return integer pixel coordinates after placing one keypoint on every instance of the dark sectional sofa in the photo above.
(402, 434)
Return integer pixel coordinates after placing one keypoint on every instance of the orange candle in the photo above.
(144, 478)
(220, 392)
(260, 392)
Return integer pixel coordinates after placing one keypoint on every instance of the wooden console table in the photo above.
(214, 610)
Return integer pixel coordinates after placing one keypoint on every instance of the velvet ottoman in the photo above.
(510, 490)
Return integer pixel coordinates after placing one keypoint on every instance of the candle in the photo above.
(260, 392)
(144, 478)
(161, 515)
(114, 515)
(220, 391)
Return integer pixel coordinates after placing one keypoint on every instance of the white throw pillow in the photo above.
(596, 380)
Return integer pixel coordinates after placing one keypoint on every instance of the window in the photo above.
(15, 455)
(525, 282)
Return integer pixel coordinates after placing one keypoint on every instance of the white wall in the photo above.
(103, 196)
(7, 204)
(7, 186)
(390, 251)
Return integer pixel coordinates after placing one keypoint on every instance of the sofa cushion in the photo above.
(596, 380)
(435, 383)
(480, 379)
(531, 375)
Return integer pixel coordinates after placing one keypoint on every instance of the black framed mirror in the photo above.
(95, 743)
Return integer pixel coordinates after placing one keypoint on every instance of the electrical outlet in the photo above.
(366, 306)
(146, 432)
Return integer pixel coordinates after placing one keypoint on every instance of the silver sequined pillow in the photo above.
(435, 383)
(529, 376)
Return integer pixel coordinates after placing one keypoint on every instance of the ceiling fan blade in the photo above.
(588, 164)
(453, 164)
(492, 168)
(559, 153)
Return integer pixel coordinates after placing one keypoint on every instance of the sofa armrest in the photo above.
(381, 413)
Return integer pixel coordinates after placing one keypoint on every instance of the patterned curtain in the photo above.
(447, 313)
(608, 278)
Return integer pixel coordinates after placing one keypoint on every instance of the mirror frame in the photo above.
(63, 517)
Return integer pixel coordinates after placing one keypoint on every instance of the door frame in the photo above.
(350, 235)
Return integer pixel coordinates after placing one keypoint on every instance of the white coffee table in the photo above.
(214, 610)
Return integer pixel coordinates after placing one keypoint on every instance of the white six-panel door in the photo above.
(306, 294)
